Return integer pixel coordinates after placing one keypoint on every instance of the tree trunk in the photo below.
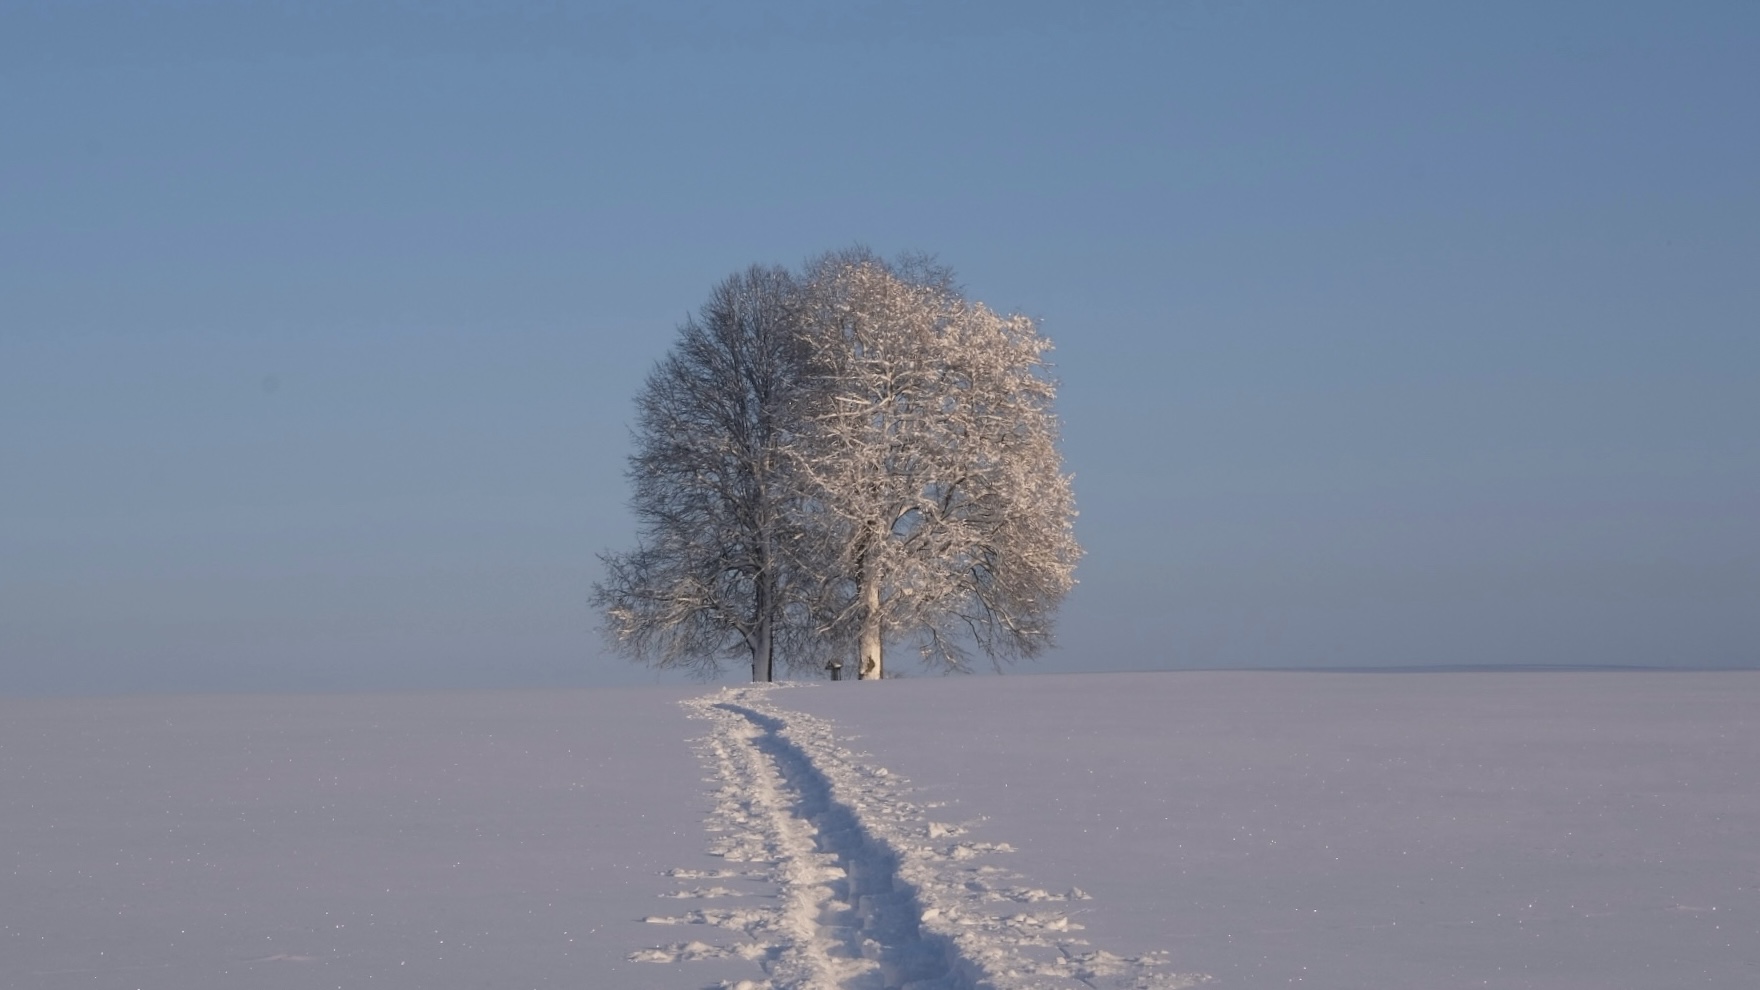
(868, 660)
(764, 638)
(763, 654)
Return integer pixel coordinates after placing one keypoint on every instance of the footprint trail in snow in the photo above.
(871, 894)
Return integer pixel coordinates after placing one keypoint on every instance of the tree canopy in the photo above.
(833, 459)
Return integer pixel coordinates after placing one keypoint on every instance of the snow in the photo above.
(872, 894)
(1161, 830)
(482, 839)
(1515, 830)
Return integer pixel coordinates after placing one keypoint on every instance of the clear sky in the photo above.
(1390, 333)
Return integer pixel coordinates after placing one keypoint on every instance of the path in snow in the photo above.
(868, 892)
(1450, 831)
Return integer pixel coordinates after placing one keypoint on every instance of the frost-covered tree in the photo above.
(710, 578)
(829, 462)
(928, 452)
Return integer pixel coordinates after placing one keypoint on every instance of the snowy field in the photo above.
(1583, 830)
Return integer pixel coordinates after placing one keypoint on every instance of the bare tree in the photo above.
(929, 454)
(827, 462)
(710, 578)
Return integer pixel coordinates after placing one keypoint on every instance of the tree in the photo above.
(709, 579)
(828, 461)
(928, 450)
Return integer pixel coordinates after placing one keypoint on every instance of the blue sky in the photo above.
(1390, 334)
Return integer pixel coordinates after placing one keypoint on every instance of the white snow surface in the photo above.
(1425, 830)
(1580, 830)
(873, 892)
(472, 840)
